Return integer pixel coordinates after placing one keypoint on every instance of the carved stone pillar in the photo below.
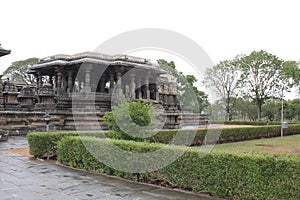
(40, 80)
(54, 82)
(59, 78)
(123, 86)
(119, 84)
(139, 89)
(70, 81)
(50, 80)
(111, 82)
(37, 81)
(157, 81)
(64, 82)
(87, 83)
(132, 86)
(146, 87)
(79, 85)
(1, 92)
(102, 84)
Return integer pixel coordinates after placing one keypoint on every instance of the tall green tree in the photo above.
(244, 109)
(260, 77)
(271, 110)
(202, 98)
(290, 76)
(292, 109)
(17, 71)
(290, 73)
(224, 78)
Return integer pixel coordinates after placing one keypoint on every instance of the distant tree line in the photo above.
(250, 86)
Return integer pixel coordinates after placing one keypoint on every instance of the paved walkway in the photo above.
(26, 178)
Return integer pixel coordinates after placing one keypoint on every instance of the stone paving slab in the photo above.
(26, 178)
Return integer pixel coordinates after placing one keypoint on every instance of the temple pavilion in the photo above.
(84, 77)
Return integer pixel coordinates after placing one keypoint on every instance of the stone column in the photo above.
(123, 86)
(59, 77)
(1, 92)
(111, 82)
(138, 90)
(50, 80)
(70, 81)
(37, 81)
(87, 83)
(64, 82)
(79, 85)
(119, 83)
(40, 83)
(54, 82)
(157, 80)
(146, 87)
(132, 86)
(102, 84)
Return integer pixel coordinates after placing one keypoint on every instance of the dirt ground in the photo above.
(295, 150)
(22, 151)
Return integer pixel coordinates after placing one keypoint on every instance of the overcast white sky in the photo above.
(223, 28)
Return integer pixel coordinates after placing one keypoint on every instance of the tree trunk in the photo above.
(228, 114)
(259, 104)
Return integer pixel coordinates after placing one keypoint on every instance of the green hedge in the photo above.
(44, 144)
(237, 176)
(228, 134)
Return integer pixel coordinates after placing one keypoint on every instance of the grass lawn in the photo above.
(290, 144)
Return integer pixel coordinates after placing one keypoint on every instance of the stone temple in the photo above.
(85, 85)
(3, 134)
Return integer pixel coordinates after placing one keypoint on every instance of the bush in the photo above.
(238, 176)
(72, 151)
(43, 145)
(244, 176)
(128, 113)
(228, 134)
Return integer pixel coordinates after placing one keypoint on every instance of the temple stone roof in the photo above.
(3, 51)
(96, 58)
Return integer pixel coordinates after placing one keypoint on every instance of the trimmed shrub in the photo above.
(73, 152)
(237, 176)
(43, 145)
(243, 176)
(228, 134)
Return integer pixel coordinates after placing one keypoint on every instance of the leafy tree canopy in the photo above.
(17, 71)
(260, 76)
(224, 78)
